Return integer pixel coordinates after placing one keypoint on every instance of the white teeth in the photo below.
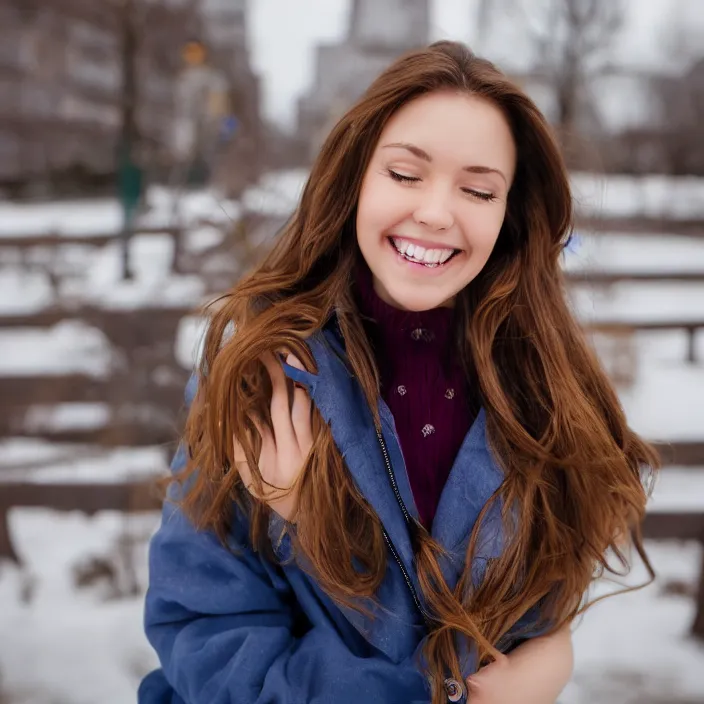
(416, 253)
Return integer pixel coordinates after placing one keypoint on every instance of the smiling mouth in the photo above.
(430, 258)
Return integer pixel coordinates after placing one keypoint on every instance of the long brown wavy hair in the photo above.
(578, 476)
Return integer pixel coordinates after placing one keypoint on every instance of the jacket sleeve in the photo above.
(221, 624)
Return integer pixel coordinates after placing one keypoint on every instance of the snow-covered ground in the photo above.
(65, 645)
(103, 216)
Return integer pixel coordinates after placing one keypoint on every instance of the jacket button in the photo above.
(454, 690)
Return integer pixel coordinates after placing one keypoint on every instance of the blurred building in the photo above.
(379, 31)
(225, 33)
(62, 93)
(64, 98)
(60, 74)
(630, 112)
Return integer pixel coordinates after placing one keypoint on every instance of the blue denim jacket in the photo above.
(239, 630)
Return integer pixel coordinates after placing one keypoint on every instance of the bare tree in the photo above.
(680, 97)
(572, 40)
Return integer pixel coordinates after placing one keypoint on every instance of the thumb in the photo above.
(294, 362)
(474, 686)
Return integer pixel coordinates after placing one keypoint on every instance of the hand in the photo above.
(283, 453)
(491, 684)
(505, 681)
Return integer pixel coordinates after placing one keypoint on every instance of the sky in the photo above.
(284, 34)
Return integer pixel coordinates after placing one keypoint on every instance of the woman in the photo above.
(404, 466)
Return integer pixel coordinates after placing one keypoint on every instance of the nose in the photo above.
(434, 211)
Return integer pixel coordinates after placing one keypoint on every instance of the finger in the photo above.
(301, 420)
(267, 451)
(477, 686)
(301, 412)
(241, 464)
(293, 361)
(280, 414)
(474, 690)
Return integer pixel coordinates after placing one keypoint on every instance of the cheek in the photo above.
(380, 206)
(483, 228)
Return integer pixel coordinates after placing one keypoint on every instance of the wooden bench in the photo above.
(146, 320)
(682, 453)
(85, 497)
(55, 238)
(143, 496)
(609, 278)
(620, 327)
(640, 225)
(674, 525)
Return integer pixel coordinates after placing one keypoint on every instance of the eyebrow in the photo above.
(422, 154)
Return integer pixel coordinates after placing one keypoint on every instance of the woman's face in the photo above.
(433, 198)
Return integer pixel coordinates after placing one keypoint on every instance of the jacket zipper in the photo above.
(407, 517)
(392, 477)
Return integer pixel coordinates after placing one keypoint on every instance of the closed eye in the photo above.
(402, 178)
(480, 195)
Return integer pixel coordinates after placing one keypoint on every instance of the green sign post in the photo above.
(130, 180)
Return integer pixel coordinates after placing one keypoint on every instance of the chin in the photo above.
(417, 304)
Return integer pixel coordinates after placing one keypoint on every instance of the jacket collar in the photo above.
(474, 477)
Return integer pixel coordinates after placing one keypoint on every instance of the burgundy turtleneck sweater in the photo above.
(424, 386)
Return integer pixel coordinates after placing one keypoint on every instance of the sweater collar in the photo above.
(397, 328)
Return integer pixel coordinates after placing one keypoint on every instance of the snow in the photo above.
(679, 489)
(653, 196)
(277, 193)
(65, 416)
(202, 238)
(635, 648)
(640, 302)
(80, 646)
(191, 207)
(24, 292)
(103, 216)
(96, 217)
(38, 461)
(71, 346)
(153, 282)
(69, 646)
(190, 338)
(665, 401)
(620, 252)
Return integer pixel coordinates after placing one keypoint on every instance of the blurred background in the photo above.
(149, 152)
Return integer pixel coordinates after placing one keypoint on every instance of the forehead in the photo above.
(454, 127)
